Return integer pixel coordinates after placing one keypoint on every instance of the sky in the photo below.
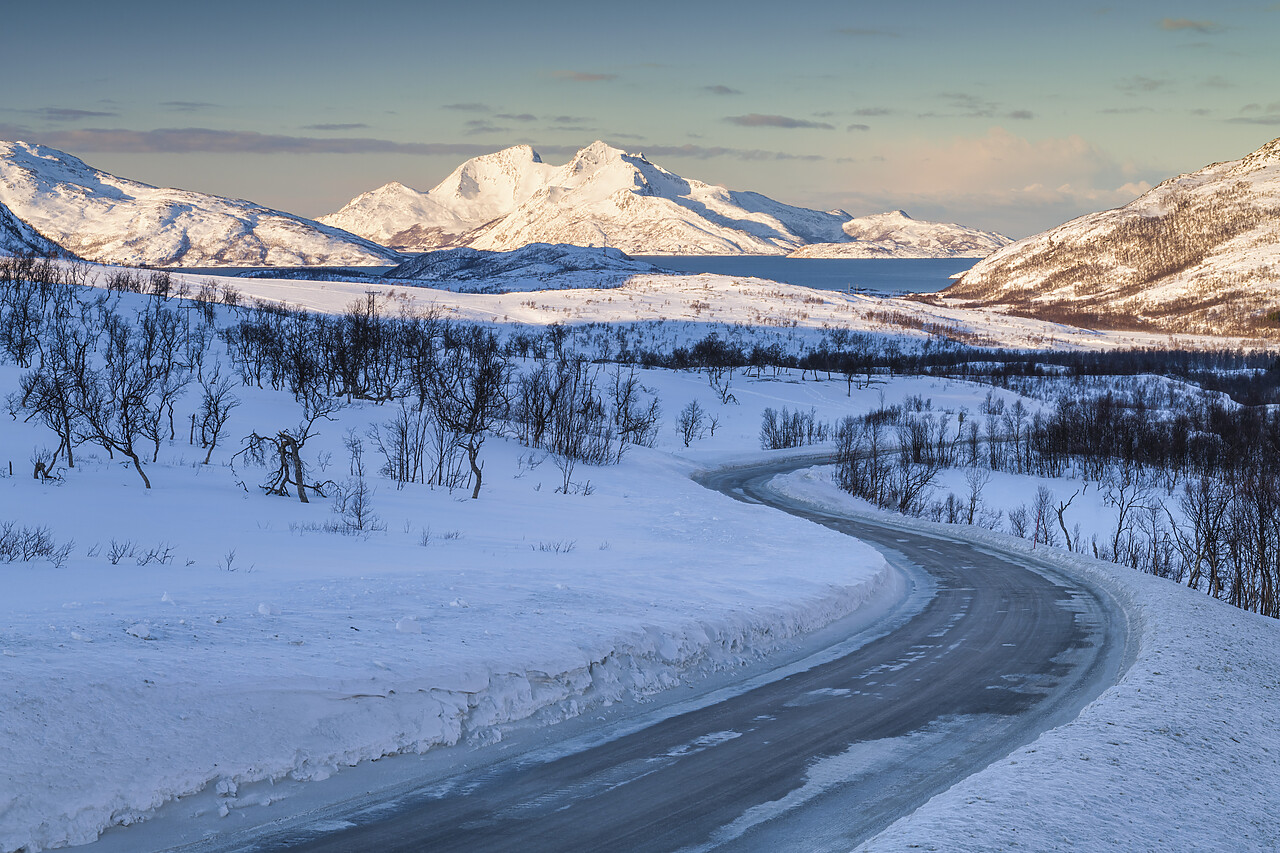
(1012, 116)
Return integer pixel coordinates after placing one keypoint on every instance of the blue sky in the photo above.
(1013, 116)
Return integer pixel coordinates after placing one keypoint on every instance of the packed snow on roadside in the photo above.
(1182, 754)
(255, 646)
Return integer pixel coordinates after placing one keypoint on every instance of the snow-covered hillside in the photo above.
(105, 218)
(17, 237)
(896, 235)
(602, 197)
(1198, 253)
(537, 266)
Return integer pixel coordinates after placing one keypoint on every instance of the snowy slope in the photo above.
(17, 237)
(897, 235)
(1198, 253)
(602, 197)
(537, 266)
(115, 220)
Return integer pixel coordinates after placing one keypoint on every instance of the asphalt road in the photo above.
(815, 760)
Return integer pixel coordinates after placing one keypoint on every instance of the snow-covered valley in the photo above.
(264, 639)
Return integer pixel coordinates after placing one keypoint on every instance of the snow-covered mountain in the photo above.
(17, 237)
(1198, 253)
(476, 193)
(897, 235)
(535, 259)
(602, 197)
(115, 220)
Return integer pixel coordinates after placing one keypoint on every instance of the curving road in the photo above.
(817, 759)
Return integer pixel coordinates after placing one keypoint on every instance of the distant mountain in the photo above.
(1200, 253)
(602, 197)
(104, 218)
(896, 235)
(537, 266)
(17, 237)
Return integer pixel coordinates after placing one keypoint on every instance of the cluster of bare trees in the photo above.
(97, 375)
(1194, 493)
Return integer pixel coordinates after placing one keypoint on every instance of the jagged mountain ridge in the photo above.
(105, 218)
(1199, 253)
(602, 197)
(894, 234)
(19, 238)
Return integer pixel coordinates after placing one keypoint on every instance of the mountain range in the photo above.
(1199, 253)
(607, 197)
(104, 218)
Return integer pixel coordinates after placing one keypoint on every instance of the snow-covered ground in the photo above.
(1182, 754)
(266, 648)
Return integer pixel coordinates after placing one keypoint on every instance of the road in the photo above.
(819, 758)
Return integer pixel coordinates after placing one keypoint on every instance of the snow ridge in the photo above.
(17, 237)
(109, 219)
(896, 235)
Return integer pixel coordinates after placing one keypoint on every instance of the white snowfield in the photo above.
(896, 235)
(1182, 754)
(105, 218)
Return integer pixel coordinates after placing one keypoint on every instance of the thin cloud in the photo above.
(1125, 111)
(1020, 115)
(187, 106)
(582, 76)
(353, 126)
(198, 139)
(64, 114)
(858, 127)
(1139, 83)
(469, 108)
(1182, 24)
(519, 117)
(1219, 82)
(1268, 120)
(478, 126)
(870, 112)
(758, 120)
(721, 90)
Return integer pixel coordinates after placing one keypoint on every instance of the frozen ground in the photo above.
(1182, 754)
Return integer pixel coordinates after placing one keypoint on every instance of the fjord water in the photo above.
(878, 275)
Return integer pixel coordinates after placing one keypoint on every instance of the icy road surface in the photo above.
(820, 757)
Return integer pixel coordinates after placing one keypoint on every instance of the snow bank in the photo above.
(1182, 754)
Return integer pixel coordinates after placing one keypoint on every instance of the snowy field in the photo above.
(254, 645)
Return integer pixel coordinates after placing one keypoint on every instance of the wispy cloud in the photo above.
(479, 126)
(187, 106)
(1269, 120)
(1125, 111)
(721, 90)
(517, 117)
(1139, 83)
(858, 127)
(64, 114)
(352, 126)
(873, 111)
(758, 120)
(1181, 24)
(582, 76)
(1020, 115)
(198, 139)
(469, 108)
